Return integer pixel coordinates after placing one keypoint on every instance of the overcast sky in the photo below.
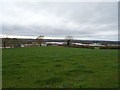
(88, 20)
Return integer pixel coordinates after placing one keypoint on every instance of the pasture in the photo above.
(59, 67)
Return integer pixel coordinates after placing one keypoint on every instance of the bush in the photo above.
(110, 47)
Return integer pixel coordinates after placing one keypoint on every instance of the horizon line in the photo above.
(45, 37)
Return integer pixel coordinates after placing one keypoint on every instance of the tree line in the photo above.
(14, 42)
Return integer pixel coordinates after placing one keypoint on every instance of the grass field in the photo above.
(59, 67)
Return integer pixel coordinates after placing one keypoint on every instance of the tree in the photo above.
(40, 40)
(15, 42)
(68, 40)
(0, 42)
(5, 41)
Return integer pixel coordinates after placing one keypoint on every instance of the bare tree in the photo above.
(15, 42)
(0, 41)
(68, 40)
(40, 40)
(5, 41)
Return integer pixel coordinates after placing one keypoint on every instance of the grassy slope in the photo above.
(39, 67)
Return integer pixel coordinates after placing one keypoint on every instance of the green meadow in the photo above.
(59, 67)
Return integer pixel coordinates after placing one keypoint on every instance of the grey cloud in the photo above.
(81, 20)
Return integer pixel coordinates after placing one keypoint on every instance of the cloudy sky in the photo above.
(82, 20)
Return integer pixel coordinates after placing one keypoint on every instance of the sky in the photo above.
(82, 20)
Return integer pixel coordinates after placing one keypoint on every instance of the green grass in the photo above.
(59, 67)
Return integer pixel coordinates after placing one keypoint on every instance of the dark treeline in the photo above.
(16, 42)
(75, 41)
